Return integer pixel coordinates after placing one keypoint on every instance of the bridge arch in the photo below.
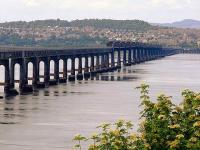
(52, 68)
(61, 68)
(76, 65)
(41, 67)
(2, 77)
(17, 67)
(89, 62)
(83, 63)
(69, 65)
(30, 67)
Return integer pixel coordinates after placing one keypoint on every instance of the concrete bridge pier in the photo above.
(97, 68)
(86, 70)
(12, 74)
(137, 56)
(80, 72)
(153, 54)
(103, 63)
(129, 58)
(113, 67)
(124, 57)
(8, 88)
(92, 67)
(146, 58)
(107, 63)
(133, 57)
(150, 54)
(46, 73)
(23, 83)
(142, 55)
(157, 54)
(35, 73)
(118, 59)
(72, 76)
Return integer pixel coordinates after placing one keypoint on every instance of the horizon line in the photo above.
(70, 20)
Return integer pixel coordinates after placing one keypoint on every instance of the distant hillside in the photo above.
(136, 25)
(96, 32)
(187, 23)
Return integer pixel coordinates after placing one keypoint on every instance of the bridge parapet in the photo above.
(7, 52)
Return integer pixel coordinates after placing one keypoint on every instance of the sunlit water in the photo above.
(49, 119)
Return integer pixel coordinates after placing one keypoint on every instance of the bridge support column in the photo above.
(8, 88)
(12, 74)
(129, 58)
(133, 56)
(153, 54)
(92, 70)
(102, 65)
(118, 59)
(141, 55)
(72, 77)
(145, 55)
(86, 70)
(107, 64)
(138, 55)
(97, 63)
(23, 84)
(35, 73)
(150, 54)
(124, 57)
(56, 70)
(113, 61)
(46, 71)
(80, 72)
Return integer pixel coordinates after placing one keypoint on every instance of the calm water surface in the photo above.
(48, 119)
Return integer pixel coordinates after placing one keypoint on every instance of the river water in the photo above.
(49, 118)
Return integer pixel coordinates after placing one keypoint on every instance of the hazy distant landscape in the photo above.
(187, 23)
(94, 32)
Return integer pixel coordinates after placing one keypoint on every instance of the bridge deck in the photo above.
(19, 52)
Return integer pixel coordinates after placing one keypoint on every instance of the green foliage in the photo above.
(83, 40)
(165, 126)
(16, 40)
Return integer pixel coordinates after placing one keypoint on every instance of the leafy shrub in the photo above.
(165, 126)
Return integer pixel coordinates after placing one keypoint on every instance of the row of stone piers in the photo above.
(95, 61)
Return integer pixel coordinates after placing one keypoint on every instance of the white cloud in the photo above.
(151, 10)
(175, 4)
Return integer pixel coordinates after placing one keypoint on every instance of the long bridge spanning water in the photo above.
(96, 60)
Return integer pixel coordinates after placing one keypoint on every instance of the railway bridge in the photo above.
(90, 61)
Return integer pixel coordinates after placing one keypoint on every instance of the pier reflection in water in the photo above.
(48, 119)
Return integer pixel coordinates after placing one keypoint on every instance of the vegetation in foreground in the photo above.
(165, 126)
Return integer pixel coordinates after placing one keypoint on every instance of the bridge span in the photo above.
(96, 60)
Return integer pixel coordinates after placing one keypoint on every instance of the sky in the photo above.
(154, 11)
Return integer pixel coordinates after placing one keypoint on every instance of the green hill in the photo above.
(136, 25)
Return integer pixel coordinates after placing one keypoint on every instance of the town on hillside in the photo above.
(94, 32)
